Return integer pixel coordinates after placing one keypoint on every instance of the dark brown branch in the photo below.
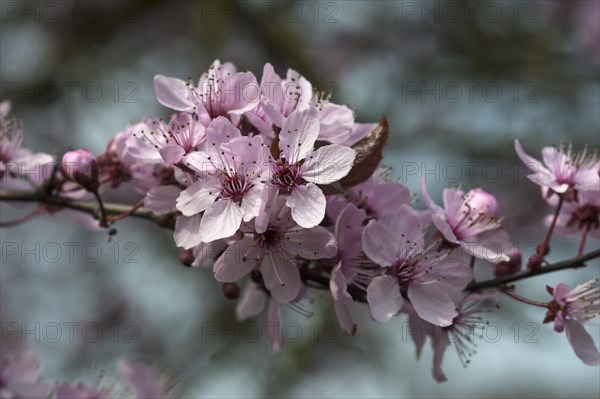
(90, 207)
(572, 263)
(167, 221)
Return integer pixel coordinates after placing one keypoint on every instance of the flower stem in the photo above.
(120, 216)
(509, 291)
(543, 249)
(584, 231)
(41, 209)
(103, 221)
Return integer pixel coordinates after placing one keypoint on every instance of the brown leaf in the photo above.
(369, 153)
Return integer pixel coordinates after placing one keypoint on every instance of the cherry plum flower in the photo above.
(461, 333)
(574, 217)
(276, 252)
(300, 168)
(229, 188)
(470, 221)
(431, 281)
(353, 268)
(19, 376)
(19, 167)
(562, 170)
(155, 141)
(221, 91)
(570, 310)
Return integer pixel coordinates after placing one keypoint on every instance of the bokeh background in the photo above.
(458, 82)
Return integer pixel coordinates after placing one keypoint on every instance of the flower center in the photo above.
(234, 187)
(285, 175)
(270, 238)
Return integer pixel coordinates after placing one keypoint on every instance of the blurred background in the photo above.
(458, 81)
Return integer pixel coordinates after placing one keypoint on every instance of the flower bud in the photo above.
(483, 202)
(186, 257)
(513, 265)
(81, 167)
(231, 290)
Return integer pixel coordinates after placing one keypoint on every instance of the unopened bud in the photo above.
(186, 257)
(483, 202)
(81, 167)
(511, 266)
(231, 290)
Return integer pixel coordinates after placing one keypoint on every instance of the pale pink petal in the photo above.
(242, 93)
(432, 304)
(344, 317)
(282, 277)
(438, 216)
(582, 343)
(379, 244)
(187, 231)
(252, 202)
(273, 326)
(440, 343)
(172, 153)
(273, 112)
(220, 220)
(311, 243)
(162, 199)
(308, 205)
(533, 164)
(328, 164)
(196, 198)
(173, 93)
(383, 295)
(359, 132)
(338, 285)
(271, 86)
(336, 122)
(493, 246)
(387, 197)
(251, 303)
(142, 380)
(237, 260)
(298, 134)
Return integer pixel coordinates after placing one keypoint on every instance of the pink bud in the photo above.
(510, 267)
(483, 202)
(81, 167)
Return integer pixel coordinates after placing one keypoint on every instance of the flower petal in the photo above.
(383, 295)
(172, 153)
(308, 205)
(187, 231)
(379, 244)
(220, 220)
(274, 326)
(251, 303)
(282, 277)
(238, 260)
(196, 198)
(432, 304)
(328, 164)
(298, 134)
(173, 93)
(582, 343)
(162, 199)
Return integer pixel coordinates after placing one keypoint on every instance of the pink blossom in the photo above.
(353, 268)
(576, 215)
(221, 91)
(430, 280)
(81, 167)
(562, 170)
(19, 167)
(570, 310)
(143, 380)
(461, 332)
(300, 168)
(379, 197)
(19, 376)
(154, 141)
(229, 188)
(470, 221)
(276, 252)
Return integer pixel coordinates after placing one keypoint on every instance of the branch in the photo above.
(91, 207)
(167, 221)
(572, 263)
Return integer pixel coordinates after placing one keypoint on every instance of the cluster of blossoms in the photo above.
(273, 181)
(19, 379)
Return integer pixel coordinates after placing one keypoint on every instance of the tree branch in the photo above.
(167, 221)
(572, 263)
(91, 207)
